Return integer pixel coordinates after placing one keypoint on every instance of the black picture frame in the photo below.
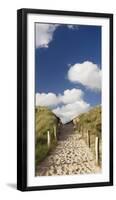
(22, 111)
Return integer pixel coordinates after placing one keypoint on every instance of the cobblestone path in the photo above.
(71, 156)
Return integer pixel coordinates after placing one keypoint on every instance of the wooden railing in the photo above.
(93, 142)
(49, 136)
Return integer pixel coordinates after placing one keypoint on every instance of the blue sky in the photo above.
(63, 55)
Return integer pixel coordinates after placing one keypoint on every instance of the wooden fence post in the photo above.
(48, 139)
(88, 138)
(55, 135)
(97, 150)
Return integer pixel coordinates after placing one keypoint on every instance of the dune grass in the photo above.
(91, 121)
(44, 120)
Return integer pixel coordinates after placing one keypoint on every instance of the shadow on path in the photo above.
(65, 131)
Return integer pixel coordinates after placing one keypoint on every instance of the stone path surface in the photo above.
(71, 156)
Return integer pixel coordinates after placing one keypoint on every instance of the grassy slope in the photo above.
(91, 121)
(45, 120)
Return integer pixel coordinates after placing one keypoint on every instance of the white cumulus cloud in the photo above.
(71, 96)
(46, 99)
(72, 26)
(66, 106)
(44, 34)
(69, 111)
(86, 73)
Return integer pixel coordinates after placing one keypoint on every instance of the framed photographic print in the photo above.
(65, 99)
